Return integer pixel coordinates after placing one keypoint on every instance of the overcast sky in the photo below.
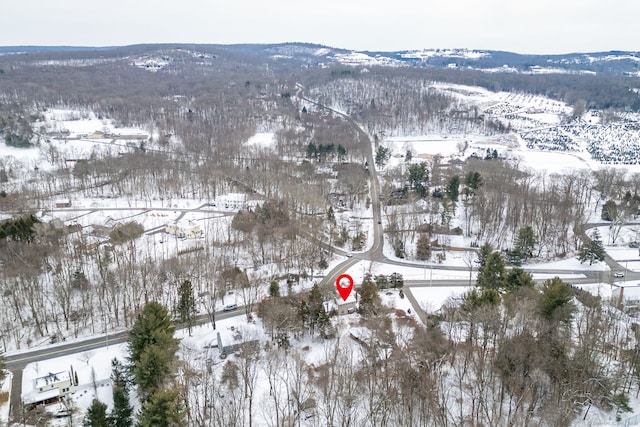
(533, 26)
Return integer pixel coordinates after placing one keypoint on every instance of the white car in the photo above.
(618, 274)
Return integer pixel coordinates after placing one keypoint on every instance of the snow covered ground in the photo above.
(94, 378)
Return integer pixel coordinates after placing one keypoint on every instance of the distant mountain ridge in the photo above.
(621, 63)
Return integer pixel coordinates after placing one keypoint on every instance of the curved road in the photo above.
(17, 362)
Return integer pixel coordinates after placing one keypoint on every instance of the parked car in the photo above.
(230, 307)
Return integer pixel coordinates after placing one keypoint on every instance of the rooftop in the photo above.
(51, 379)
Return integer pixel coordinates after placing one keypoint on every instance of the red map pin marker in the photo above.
(343, 289)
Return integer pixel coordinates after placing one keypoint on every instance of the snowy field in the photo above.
(431, 299)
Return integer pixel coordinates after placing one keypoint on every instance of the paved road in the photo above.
(18, 361)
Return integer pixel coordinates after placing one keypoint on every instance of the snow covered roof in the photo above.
(31, 388)
(351, 299)
(52, 379)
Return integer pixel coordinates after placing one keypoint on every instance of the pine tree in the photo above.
(122, 412)
(274, 289)
(164, 408)
(382, 155)
(475, 299)
(315, 305)
(525, 242)
(593, 250)
(492, 275)
(472, 181)
(418, 177)
(555, 303)
(484, 252)
(96, 415)
(187, 304)
(518, 278)
(152, 347)
(453, 188)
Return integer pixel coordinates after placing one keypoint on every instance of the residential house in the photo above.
(342, 307)
(184, 229)
(50, 388)
(231, 201)
(232, 339)
(97, 135)
(65, 203)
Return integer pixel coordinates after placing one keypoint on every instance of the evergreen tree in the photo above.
(153, 367)
(382, 155)
(518, 278)
(593, 250)
(324, 323)
(484, 252)
(556, 301)
(152, 347)
(453, 188)
(492, 275)
(21, 229)
(472, 182)
(526, 242)
(164, 408)
(478, 298)
(418, 177)
(312, 151)
(122, 412)
(187, 304)
(96, 415)
(274, 289)
(315, 306)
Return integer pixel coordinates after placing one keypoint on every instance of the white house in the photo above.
(342, 307)
(50, 388)
(231, 201)
(184, 229)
